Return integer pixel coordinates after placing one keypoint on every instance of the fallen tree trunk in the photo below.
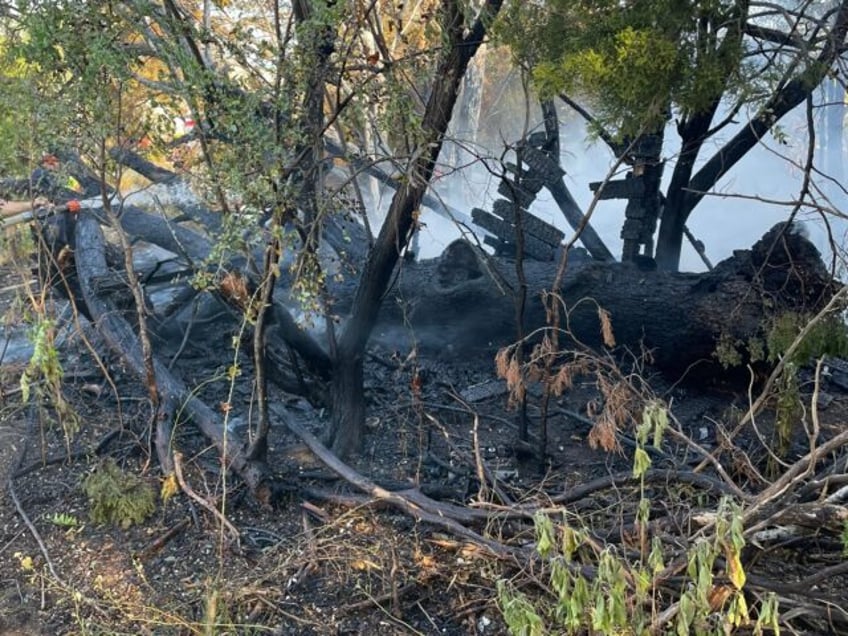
(462, 302)
(453, 304)
(175, 397)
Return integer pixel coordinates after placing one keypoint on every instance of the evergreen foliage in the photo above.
(636, 60)
(118, 497)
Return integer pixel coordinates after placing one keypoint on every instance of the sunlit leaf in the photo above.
(735, 571)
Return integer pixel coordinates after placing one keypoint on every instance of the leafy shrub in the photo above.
(596, 588)
(118, 497)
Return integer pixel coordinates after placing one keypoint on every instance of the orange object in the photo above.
(50, 161)
(74, 206)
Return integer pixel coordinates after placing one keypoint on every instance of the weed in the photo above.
(118, 497)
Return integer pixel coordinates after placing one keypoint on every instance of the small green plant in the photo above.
(519, 613)
(728, 351)
(598, 589)
(43, 376)
(118, 497)
(827, 337)
(63, 520)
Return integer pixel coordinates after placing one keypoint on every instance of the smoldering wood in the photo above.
(519, 187)
(452, 306)
(460, 303)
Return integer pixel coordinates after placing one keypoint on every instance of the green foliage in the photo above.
(44, 362)
(75, 64)
(27, 121)
(633, 75)
(43, 374)
(519, 613)
(828, 337)
(63, 520)
(597, 589)
(118, 497)
(728, 351)
(635, 60)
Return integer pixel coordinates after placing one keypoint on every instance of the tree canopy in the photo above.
(704, 65)
(636, 61)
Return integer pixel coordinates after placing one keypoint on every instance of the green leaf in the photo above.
(641, 462)
(545, 532)
(685, 615)
(643, 514)
(735, 569)
(655, 558)
(571, 541)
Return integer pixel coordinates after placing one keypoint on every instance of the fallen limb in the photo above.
(188, 490)
(653, 476)
(162, 540)
(176, 399)
(423, 509)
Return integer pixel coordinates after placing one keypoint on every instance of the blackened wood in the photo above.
(576, 219)
(176, 399)
(631, 188)
(516, 193)
(507, 232)
(541, 164)
(455, 308)
(531, 224)
(529, 181)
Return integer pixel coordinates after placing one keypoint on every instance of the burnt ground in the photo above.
(322, 559)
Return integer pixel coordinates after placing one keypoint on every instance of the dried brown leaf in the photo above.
(563, 380)
(606, 327)
(602, 436)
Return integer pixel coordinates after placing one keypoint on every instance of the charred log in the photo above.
(174, 396)
(462, 302)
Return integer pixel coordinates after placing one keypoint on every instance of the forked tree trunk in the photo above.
(682, 199)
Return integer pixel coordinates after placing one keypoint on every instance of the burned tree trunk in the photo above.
(454, 305)
(461, 43)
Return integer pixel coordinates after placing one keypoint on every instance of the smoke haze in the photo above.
(757, 192)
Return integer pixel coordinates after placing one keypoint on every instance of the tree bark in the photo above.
(345, 434)
(456, 309)
(673, 220)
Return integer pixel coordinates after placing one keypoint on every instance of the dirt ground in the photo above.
(322, 559)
